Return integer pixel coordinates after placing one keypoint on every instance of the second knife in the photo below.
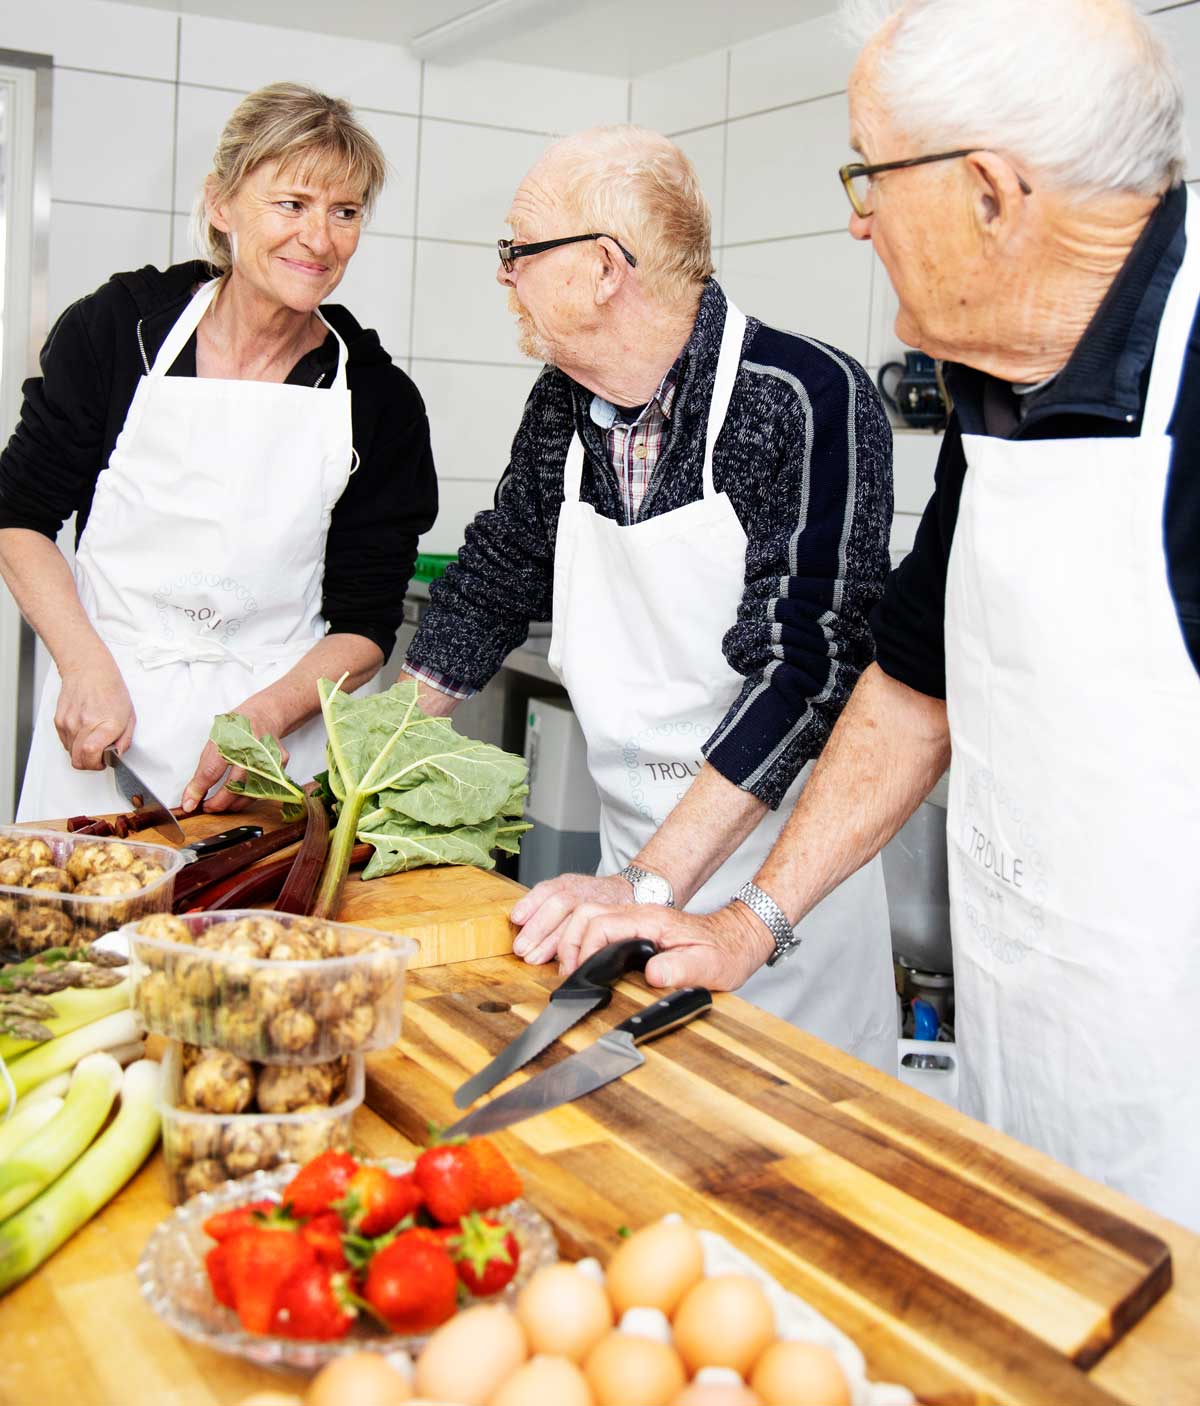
(587, 989)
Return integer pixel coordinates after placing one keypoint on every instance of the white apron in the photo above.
(201, 566)
(639, 615)
(1074, 811)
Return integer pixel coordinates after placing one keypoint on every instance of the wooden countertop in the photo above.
(744, 1124)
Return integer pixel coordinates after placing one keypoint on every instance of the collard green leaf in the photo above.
(260, 757)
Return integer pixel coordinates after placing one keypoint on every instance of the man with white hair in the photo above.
(1020, 179)
(701, 505)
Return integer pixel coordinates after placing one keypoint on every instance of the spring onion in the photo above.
(33, 1234)
(74, 1008)
(26, 1120)
(55, 1087)
(52, 1149)
(56, 1056)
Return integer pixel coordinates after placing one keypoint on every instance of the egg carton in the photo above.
(799, 1320)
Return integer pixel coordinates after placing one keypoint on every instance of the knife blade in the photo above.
(587, 989)
(613, 1054)
(141, 798)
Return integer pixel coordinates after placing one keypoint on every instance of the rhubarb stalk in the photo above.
(300, 886)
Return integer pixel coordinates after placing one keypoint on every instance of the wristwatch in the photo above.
(648, 887)
(763, 906)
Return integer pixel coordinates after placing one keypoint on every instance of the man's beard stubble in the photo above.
(528, 341)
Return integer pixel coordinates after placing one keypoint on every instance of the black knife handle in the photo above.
(668, 1014)
(212, 843)
(594, 979)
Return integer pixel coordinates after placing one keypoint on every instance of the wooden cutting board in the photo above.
(454, 913)
(965, 1266)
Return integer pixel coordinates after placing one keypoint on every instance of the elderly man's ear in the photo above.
(999, 201)
(609, 270)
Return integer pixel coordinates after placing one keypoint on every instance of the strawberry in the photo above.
(226, 1223)
(448, 1182)
(375, 1200)
(314, 1304)
(412, 1283)
(324, 1233)
(260, 1261)
(217, 1264)
(319, 1183)
(486, 1254)
(498, 1182)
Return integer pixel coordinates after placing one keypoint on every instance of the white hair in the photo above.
(1083, 92)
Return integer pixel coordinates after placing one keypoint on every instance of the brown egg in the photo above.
(716, 1394)
(471, 1355)
(655, 1267)
(800, 1374)
(564, 1313)
(624, 1370)
(363, 1378)
(724, 1321)
(544, 1381)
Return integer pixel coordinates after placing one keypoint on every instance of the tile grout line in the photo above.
(762, 111)
(412, 287)
(174, 137)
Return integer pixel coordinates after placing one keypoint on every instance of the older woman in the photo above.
(248, 470)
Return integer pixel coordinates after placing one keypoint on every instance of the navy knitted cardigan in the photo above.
(805, 457)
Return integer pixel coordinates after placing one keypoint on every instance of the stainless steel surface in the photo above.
(611, 1056)
(915, 874)
(536, 1036)
(141, 797)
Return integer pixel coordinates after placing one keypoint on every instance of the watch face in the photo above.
(652, 888)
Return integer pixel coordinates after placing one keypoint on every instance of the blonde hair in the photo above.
(317, 135)
(638, 186)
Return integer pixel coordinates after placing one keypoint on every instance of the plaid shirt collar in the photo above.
(604, 413)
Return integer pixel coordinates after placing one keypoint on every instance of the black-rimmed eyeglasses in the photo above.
(510, 252)
(856, 178)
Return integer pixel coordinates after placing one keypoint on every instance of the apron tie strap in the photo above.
(194, 650)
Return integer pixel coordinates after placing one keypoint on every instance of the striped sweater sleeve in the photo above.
(816, 562)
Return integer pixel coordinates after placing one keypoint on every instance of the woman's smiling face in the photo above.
(292, 230)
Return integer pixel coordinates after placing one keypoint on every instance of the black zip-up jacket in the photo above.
(1100, 392)
(805, 456)
(91, 364)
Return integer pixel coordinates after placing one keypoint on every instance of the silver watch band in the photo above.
(659, 889)
(763, 906)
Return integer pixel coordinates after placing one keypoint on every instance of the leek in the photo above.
(51, 1151)
(56, 1056)
(33, 1234)
(49, 1088)
(74, 1007)
(26, 1120)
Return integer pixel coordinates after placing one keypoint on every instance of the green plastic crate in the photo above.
(430, 566)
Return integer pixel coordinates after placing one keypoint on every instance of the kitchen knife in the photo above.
(210, 844)
(587, 989)
(141, 798)
(611, 1056)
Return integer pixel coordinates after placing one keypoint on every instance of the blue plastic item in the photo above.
(925, 1020)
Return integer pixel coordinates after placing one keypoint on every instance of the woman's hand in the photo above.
(263, 717)
(94, 710)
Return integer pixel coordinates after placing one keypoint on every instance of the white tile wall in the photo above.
(686, 95)
(396, 210)
(202, 114)
(820, 286)
(230, 54)
(89, 243)
(377, 288)
(458, 502)
(513, 95)
(473, 446)
(111, 142)
(1182, 29)
(93, 34)
(468, 176)
(459, 310)
(781, 175)
(788, 66)
(705, 149)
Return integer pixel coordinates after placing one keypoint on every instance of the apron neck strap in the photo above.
(189, 319)
(1174, 330)
(728, 361)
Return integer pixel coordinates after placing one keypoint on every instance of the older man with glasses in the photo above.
(701, 504)
(1021, 182)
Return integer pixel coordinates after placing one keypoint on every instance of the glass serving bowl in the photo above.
(175, 1283)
